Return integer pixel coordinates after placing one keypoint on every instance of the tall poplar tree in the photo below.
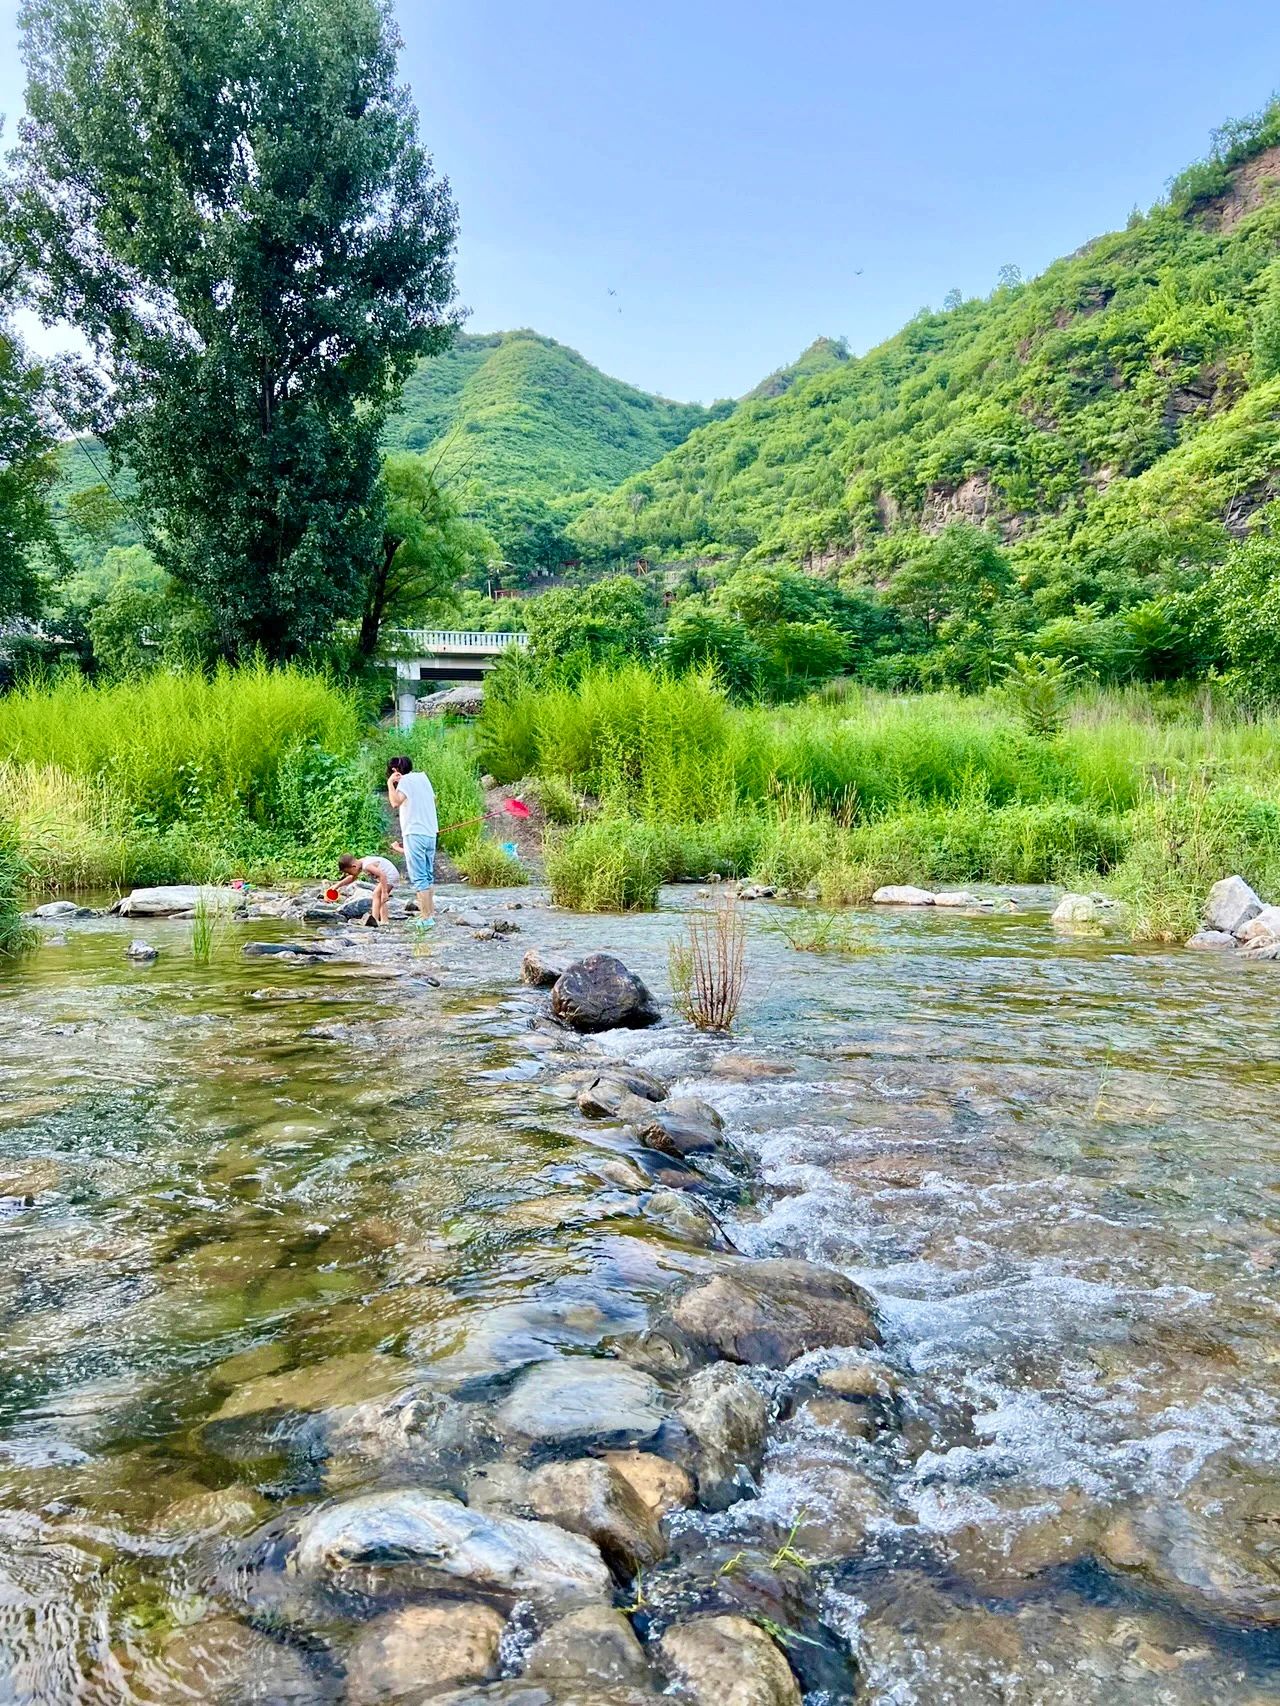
(230, 200)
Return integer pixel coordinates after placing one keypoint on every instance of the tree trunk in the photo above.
(375, 603)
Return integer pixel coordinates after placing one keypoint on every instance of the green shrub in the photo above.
(15, 935)
(448, 757)
(607, 865)
(1183, 840)
(485, 865)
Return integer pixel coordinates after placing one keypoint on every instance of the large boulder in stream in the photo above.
(774, 1311)
(600, 994)
(1230, 906)
(410, 1526)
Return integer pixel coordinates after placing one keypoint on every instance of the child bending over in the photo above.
(377, 870)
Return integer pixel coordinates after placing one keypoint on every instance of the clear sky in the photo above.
(749, 176)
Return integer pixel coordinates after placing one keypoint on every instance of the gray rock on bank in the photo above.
(600, 994)
(1212, 941)
(1230, 906)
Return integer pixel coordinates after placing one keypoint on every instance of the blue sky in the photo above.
(749, 176)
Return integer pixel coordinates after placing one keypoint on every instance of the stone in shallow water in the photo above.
(1075, 912)
(177, 899)
(609, 1099)
(141, 952)
(1212, 941)
(661, 1486)
(225, 1663)
(416, 1527)
(581, 1398)
(1215, 1546)
(774, 1311)
(595, 1646)
(672, 1133)
(727, 1661)
(205, 1516)
(728, 1416)
(436, 1646)
(586, 1496)
(902, 894)
(600, 994)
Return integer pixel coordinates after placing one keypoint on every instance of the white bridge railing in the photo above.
(437, 642)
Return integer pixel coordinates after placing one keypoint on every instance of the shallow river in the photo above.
(286, 1190)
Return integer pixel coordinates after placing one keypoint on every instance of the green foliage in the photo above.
(231, 203)
(1238, 608)
(427, 549)
(1186, 834)
(524, 430)
(27, 472)
(447, 756)
(1039, 689)
(813, 931)
(1071, 450)
(607, 865)
(15, 936)
(183, 776)
(486, 866)
(576, 627)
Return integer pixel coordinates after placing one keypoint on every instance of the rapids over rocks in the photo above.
(365, 1336)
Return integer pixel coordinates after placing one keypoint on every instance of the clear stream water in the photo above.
(1055, 1163)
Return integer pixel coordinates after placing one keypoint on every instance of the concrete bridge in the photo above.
(441, 655)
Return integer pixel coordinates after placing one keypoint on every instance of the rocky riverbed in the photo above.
(371, 1335)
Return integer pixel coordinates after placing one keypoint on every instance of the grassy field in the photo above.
(1152, 796)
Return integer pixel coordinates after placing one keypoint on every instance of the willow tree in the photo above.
(230, 200)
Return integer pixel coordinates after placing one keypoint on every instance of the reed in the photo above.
(708, 967)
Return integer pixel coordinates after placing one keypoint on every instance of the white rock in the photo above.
(409, 1525)
(1230, 906)
(959, 897)
(902, 894)
(59, 909)
(1266, 924)
(174, 900)
(1074, 910)
(1212, 941)
(141, 951)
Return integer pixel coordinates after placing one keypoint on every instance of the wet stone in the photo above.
(727, 1416)
(902, 894)
(595, 1646)
(583, 1398)
(676, 1134)
(1212, 941)
(405, 1655)
(728, 1661)
(608, 1099)
(838, 1416)
(661, 1486)
(771, 1312)
(600, 994)
(142, 953)
(410, 1526)
(586, 1496)
(226, 1663)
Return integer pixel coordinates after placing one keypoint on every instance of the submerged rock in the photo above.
(727, 1416)
(1212, 941)
(727, 1661)
(1216, 1546)
(673, 1133)
(600, 994)
(1230, 905)
(586, 1496)
(583, 1398)
(416, 1527)
(594, 1646)
(1075, 912)
(142, 953)
(774, 1311)
(424, 1646)
(902, 894)
(225, 1663)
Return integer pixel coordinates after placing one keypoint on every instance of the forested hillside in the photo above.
(1114, 423)
(523, 429)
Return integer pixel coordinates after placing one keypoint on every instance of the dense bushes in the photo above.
(14, 935)
(182, 776)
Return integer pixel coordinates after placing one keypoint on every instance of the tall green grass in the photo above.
(15, 936)
(184, 776)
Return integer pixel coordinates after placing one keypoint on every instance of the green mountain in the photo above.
(524, 430)
(1116, 421)
(821, 356)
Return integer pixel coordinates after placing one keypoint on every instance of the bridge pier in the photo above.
(406, 708)
(441, 655)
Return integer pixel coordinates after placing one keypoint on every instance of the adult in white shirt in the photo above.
(411, 794)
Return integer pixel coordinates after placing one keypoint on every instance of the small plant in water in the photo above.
(787, 1552)
(205, 924)
(817, 931)
(709, 967)
(781, 1636)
